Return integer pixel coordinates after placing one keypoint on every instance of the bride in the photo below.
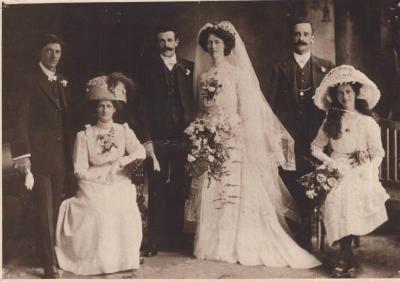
(250, 228)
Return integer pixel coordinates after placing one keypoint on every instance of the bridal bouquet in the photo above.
(210, 87)
(320, 182)
(208, 149)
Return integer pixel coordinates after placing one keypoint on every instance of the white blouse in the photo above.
(103, 149)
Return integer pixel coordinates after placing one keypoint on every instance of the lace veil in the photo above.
(265, 139)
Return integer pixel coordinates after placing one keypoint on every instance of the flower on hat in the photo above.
(99, 89)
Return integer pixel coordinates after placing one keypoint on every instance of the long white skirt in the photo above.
(99, 230)
(247, 228)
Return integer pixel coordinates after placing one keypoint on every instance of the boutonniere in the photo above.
(323, 69)
(184, 69)
(64, 82)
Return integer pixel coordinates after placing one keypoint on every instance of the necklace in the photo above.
(343, 110)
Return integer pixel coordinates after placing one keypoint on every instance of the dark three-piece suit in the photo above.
(169, 110)
(41, 128)
(290, 93)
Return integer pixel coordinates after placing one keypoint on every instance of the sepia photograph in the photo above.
(200, 139)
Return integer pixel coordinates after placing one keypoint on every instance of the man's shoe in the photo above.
(51, 273)
(150, 253)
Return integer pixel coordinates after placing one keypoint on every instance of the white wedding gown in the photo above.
(248, 230)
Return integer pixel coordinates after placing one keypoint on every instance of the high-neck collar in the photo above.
(166, 59)
(220, 64)
(104, 125)
(350, 113)
(346, 111)
(302, 59)
(51, 75)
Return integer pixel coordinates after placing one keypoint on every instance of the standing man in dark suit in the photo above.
(167, 88)
(292, 85)
(41, 140)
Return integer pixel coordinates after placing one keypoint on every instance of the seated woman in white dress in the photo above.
(99, 230)
(357, 206)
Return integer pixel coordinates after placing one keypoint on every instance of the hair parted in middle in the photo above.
(300, 20)
(227, 37)
(161, 28)
(333, 125)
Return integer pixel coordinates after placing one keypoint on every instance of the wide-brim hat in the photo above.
(342, 75)
(98, 88)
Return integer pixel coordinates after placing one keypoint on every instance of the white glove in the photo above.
(149, 147)
(156, 164)
(29, 181)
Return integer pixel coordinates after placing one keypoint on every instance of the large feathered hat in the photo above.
(342, 75)
(107, 87)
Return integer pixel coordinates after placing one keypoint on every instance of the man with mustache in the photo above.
(166, 82)
(291, 87)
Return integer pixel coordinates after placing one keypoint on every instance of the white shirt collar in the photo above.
(50, 74)
(302, 59)
(169, 61)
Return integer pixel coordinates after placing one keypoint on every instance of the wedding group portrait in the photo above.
(201, 140)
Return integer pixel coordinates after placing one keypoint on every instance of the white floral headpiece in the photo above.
(98, 89)
(226, 26)
(341, 75)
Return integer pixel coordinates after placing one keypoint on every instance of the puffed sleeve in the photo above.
(374, 142)
(318, 144)
(81, 156)
(134, 149)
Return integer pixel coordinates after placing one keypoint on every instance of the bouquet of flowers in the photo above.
(320, 182)
(208, 149)
(210, 87)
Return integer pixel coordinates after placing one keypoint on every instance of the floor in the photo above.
(378, 254)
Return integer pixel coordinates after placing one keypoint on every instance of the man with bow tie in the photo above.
(292, 85)
(166, 82)
(41, 140)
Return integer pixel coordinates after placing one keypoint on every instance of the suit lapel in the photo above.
(180, 77)
(183, 90)
(46, 88)
(61, 88)
(289, 72)
(317, 75)
(159, 73)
